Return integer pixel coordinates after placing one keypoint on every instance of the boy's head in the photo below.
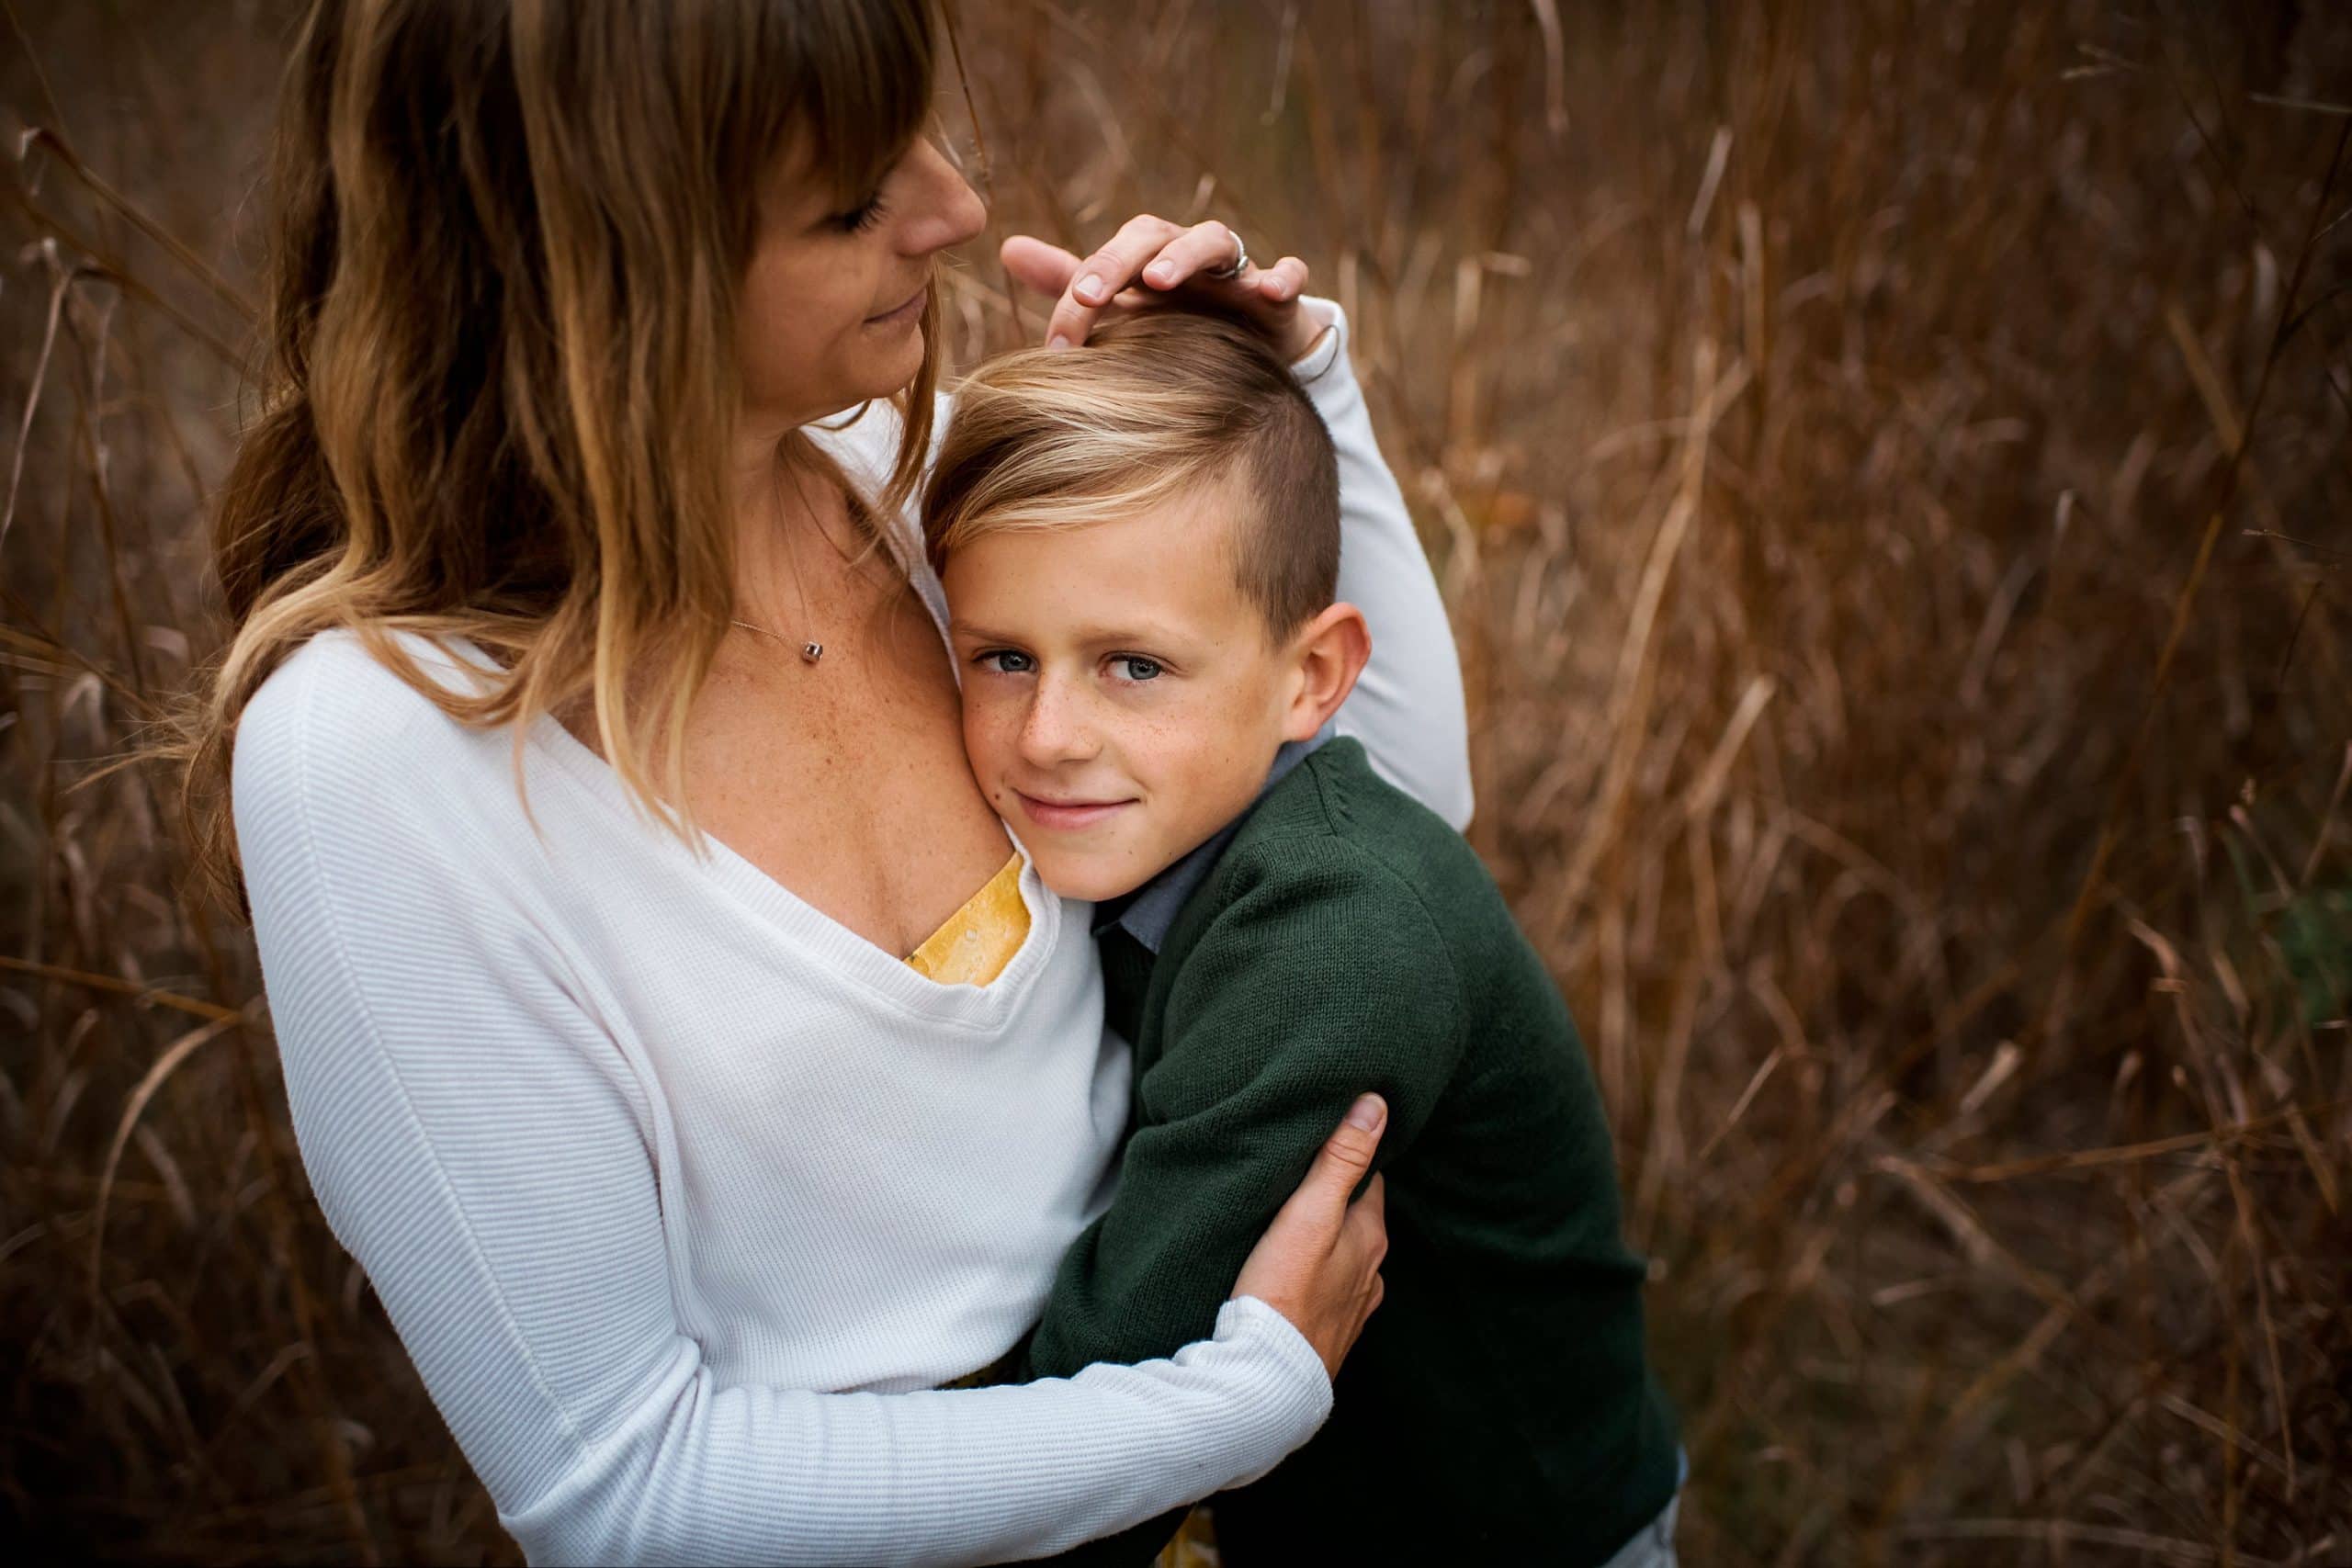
(1140, 542)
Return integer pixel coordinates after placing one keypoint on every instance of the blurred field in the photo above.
(1888, 464)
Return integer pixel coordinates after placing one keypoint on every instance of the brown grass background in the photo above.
(1888, 464)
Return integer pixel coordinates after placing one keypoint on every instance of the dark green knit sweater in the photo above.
(1498, 1407)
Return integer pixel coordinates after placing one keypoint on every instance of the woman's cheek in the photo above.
(984, 733)
(772, 364)
(793, 315)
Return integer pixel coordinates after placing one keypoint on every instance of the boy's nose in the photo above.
(1053, 730)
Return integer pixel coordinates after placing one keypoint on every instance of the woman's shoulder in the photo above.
(866, 439)
(335, 688)
(334, 729)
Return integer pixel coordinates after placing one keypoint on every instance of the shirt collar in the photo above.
(1149, 912)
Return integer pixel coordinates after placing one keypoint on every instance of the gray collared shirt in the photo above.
(1148, 912)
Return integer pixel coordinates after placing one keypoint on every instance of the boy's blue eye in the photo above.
(1138, 667)
(1006, 661)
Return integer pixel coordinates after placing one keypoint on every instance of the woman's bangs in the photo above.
(861, 73)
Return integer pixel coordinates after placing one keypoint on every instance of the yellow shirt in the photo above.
(978, 940)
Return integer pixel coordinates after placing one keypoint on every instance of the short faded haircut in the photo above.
(1152, 406)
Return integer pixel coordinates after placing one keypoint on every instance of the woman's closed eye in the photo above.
(858, 218)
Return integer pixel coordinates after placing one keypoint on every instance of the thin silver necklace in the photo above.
(811, 650)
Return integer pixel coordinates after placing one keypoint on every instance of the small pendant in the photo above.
(811, 651)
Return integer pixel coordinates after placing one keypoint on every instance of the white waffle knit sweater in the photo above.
(683, 1196)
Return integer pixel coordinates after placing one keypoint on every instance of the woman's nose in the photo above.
(949, 212)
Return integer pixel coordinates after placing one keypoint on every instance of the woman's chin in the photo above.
(889, 367)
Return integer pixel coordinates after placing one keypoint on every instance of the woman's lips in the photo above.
(1067, 815)
(898, 315)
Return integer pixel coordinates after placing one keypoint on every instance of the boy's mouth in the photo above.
(1064, 815)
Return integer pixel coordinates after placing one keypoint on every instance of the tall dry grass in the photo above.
(1888, 464)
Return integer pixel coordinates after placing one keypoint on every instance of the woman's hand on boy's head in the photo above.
(1153, 263)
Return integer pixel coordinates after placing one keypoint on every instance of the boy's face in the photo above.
(1123, 700)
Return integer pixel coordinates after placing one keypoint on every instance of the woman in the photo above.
(596, 760)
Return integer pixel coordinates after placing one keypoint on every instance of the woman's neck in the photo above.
(766, 504)
(794, 531)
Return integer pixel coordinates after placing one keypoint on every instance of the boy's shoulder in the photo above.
(1334, 806)
(1349, 859)
(1357, 930)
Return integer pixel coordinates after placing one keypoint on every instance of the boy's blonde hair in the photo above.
(1152, 406)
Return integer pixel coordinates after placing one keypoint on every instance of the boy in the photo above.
(1139, 542)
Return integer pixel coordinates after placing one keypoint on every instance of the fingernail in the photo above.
(1055, 343)
(1089, 289)
(1161, 271)
(1367, 1113)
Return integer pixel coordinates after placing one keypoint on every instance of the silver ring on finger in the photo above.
(1240, 263)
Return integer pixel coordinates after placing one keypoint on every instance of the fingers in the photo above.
(1203, 248)
(1149, 257)
(1281, 282)
(1363, 1242)
(1364, 1231)
(1319, 1263)
(1103, 274)
(1035, 264)
(1346, 1155)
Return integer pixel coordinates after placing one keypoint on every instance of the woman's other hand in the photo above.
(1319, 1263)
(1152, 262)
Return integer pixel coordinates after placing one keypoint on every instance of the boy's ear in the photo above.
(1331, 650)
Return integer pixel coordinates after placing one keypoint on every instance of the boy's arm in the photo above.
(1310, 989)
(1316, 984)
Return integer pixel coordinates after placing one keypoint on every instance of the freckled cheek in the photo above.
(1150, 747)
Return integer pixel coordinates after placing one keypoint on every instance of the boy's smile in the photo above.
(1123, 699)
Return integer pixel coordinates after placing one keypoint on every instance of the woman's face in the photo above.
(832, 303)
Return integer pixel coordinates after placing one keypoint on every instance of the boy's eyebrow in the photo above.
(1095, 636)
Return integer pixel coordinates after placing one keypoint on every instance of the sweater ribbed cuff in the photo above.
(1330, 350)
(1296, 1398)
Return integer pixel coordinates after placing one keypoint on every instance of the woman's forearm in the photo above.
(1406, 708)
(702, 1474)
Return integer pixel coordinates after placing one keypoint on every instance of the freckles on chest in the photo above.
(855, 795)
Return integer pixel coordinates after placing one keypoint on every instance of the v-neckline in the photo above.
(851, 953)
(854, 955)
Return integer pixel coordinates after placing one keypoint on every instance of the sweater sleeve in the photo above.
(484, 1148)
(1315, 984)
(1408, 706)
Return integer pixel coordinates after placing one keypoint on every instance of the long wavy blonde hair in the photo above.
(499, 380)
